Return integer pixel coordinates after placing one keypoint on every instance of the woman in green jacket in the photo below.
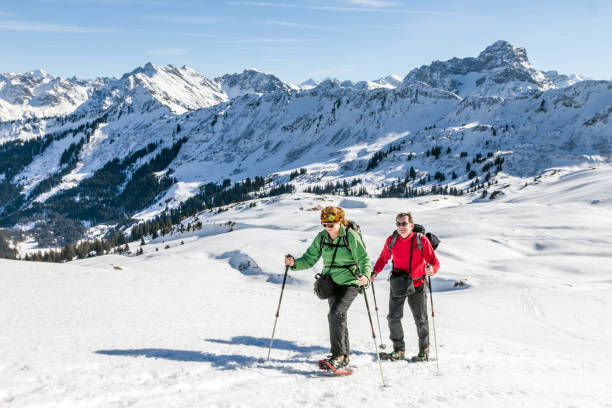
(349, 269)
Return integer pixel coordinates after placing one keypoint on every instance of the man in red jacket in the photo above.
(411, 263)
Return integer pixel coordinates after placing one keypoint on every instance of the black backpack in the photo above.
(420, 231)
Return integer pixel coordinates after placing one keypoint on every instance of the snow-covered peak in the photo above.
(313, 83)
(561, 80)
(329, 84)
(251, 81)
(309, 84)
(39, 94)
(179, 89)
(502, 53)
(500, 70)
(390, 81)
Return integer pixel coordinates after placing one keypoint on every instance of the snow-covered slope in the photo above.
(170, 131)
(179, 89)
(251, 81)
(561, 80)
(190, 324)
(388, 82)
(38, 94)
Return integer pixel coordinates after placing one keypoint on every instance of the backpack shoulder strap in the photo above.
(393, 240)
(419, 242)
(345, 239)
(346, 243)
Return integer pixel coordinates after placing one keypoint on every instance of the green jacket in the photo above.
(358, 257)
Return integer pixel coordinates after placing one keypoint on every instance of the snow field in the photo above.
(190, 325)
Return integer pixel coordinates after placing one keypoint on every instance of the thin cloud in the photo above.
(169, 51)
(239, 40)
(289, 24)
(181, 19)
(120, 2)
(196, 35)
(284, 60)
(272, 40)
(7, 14)
(373, 3)
(371, 9)
(319, 27)
(35, 26)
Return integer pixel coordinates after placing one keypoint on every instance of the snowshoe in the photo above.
(393, 356)
(423, 355)
(337, 365)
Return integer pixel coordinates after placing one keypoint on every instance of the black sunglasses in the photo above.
(402, 224)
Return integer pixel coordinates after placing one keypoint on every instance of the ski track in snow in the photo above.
(190, 325)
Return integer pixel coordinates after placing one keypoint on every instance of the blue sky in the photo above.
(296, 40)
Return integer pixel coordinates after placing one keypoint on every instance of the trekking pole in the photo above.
(278, 311)
(365, 296)
(433, 319)
(381, 345)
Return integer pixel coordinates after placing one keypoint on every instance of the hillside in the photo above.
(189, 325)
(157, 136)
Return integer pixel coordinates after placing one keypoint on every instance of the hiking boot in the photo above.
(394, 355)
(423, 355)
(332, 362)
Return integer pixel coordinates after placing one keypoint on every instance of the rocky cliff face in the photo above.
(500, 70)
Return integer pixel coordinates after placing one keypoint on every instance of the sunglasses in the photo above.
(402, 224)
(326, 225)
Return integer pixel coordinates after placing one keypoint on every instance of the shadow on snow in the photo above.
(278, 344)
(220, 361)
(236, 361)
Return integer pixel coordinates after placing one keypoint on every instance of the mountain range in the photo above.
(79, 153)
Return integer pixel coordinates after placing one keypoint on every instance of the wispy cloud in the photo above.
(373, 3)
(284, 60)
(271, 40)
(181, 19)
(289, 24)
(373, 6)
(169, 51)
(35, 26)
(320, 27)
(196, 35)
(7, 14)
(240, 40)
(119, 2)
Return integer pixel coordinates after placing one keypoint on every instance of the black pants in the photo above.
(338, 329)
(418, 306)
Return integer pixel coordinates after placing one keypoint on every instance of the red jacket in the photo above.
(401, 256)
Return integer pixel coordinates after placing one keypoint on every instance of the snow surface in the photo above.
(190, 325)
